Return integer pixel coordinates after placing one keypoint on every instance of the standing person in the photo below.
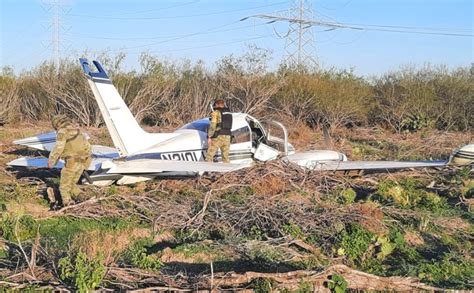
(218, 135)
(73, 146)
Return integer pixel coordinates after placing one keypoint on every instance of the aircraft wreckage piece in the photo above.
(138, 155)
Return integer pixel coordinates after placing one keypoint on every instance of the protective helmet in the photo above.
(60, 121)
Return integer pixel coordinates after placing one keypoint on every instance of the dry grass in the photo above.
(106, 243)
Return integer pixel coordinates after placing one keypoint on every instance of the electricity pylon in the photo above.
(299, 40)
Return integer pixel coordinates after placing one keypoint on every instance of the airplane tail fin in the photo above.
(127, 135)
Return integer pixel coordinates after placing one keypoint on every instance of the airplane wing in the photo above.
(42, 162)
(371, 165)
(144, 166)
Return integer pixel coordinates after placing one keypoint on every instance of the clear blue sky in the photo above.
(210, 29)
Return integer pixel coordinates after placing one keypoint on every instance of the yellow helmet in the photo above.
(60, 121)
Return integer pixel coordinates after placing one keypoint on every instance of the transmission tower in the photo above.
(56, 7)
(299, 44)
(299, 40)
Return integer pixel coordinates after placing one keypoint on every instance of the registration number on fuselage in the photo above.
(182, 156)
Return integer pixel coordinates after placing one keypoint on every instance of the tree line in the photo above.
(163, 92)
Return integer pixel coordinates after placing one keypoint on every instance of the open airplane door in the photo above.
(273, 145)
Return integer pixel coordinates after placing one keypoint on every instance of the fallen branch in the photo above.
(356, 280)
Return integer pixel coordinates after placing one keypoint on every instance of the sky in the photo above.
(211, 29)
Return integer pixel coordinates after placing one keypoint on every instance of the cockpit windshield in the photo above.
(201, 125)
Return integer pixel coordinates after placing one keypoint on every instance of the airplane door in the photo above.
(265, 152)
(272, 145)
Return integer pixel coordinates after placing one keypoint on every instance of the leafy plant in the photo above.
(349, 195)
(293, 230)
(83, 273)
(23, 227)
(452, 271)
(337, 283)
(354, 241)
(137, 256)
(407, 193)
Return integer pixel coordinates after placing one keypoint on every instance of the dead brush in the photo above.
(269, 185)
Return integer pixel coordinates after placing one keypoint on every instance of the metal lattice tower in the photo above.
(299, 40)
(57, 27)
(299, 44)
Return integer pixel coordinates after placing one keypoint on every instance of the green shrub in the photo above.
(409, 193)
(354, 242)
(337, 283)
(81, 272)
(349, 195)
(294, 231)
(137, 256)
(452, 271)
(58, 231)
(24, 227)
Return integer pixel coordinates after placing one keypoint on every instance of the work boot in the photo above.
(51, 196)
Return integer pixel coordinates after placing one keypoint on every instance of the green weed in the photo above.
(262, 285)
(57, 232)
(337, 283)
(452, 271)
(409, 194)
(81, 272)
(354, 242)
(14, 228)
(294, 231)
(349, 195)
(263, 256)
(137, 256)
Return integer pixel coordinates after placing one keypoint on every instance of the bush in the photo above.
(82, 273)
(137, 256)
(354, 242)
(452, 271)
(337, 283)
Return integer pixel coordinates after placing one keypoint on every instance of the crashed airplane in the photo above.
(138, 155)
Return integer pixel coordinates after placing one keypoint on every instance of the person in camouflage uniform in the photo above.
(73, 146)
(218, 137)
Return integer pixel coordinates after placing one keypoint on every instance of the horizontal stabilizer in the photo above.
(46, 142)
(43, 141)
(371, 165)
(157, 166)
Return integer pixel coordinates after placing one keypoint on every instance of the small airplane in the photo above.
(138, 155)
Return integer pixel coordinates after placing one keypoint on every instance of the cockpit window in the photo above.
(201, 125)
(241, 135)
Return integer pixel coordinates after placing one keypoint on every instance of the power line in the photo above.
(368, 27)
(299, 40)
(178, 16)
(156, 9)
(208, 31)
(213, 45)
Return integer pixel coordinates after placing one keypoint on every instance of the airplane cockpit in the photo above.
(265, 140)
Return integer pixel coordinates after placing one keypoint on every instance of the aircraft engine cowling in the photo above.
(463, 155)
